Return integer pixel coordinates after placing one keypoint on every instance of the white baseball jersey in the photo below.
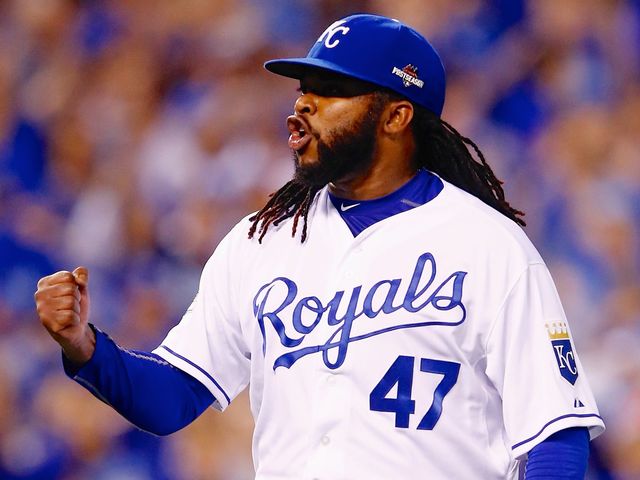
(431, 345)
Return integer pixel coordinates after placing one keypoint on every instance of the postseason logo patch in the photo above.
(409, 76)
(561, 343)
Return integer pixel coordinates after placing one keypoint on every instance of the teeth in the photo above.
(302, 132)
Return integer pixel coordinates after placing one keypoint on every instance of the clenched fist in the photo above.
(62, 302)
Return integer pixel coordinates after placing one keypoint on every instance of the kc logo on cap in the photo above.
(331, 31)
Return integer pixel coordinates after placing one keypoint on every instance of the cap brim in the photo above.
(298, 67)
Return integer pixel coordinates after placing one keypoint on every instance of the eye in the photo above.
(324, 90)
(331, 90)
(334, 91)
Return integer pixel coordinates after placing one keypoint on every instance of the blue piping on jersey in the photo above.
(200, 369)
(92, 388)
(570, 415)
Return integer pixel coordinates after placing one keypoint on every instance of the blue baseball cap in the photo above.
(378, 50)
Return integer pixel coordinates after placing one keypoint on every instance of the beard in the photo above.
(348, 152)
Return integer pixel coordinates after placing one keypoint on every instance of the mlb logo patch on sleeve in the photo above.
(562, 349)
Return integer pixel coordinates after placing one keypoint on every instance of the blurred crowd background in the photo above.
(134, 134)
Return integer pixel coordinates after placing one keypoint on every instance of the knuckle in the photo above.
(43, 309)
(69, 289)
(64, 303)
(41, 301)
(46, 321)
(54, 327)
(64, 318)
(69, 302)
(63, 276)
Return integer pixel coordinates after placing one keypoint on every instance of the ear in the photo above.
(398, 118)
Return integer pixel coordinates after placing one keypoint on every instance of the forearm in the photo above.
(141, 386)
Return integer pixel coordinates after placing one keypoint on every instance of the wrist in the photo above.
(80, 352)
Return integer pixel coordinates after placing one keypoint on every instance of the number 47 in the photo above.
(401, 373)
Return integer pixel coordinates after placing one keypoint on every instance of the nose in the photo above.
(306, 103)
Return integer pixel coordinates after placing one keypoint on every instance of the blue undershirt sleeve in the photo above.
(563, 456)
(141, 386)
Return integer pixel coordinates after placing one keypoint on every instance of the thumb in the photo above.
(81, 276)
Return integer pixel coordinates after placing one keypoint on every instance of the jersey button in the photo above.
(325, 440)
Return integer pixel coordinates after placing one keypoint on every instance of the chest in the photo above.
(332, 307)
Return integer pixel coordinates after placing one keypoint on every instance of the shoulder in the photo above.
(482, 227)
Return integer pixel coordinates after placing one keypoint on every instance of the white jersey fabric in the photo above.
(432, 345)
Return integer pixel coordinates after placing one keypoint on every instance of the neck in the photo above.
(391, 168)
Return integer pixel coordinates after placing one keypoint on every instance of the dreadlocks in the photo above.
(293, 199)
(439, 149)
(442, 150)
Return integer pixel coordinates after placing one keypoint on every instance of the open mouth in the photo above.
(300, 134)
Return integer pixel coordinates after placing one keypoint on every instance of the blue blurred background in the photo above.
(133, 135)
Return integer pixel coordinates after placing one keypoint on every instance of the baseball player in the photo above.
(385, 309)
